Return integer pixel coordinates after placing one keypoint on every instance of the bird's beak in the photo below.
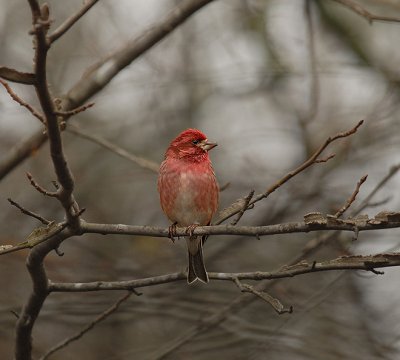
(206, 145)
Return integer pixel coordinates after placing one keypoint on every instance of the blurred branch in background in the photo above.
(101, 73)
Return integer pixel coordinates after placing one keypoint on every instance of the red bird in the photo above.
(189, 192)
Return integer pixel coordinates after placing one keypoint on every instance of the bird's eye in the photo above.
(195, 142)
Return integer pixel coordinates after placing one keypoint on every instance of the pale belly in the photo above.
(186, 205)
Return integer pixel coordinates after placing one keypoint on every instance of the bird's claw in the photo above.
(172, 232)
(190, 229)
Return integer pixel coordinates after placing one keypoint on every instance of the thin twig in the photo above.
(392, 172)
(28, 212)
(244, 208)
(104, 315)
(40, 188)
(74, 111)
(17, 99)
(67, 24)
(352, 198)
(275, 303)
(358, 9)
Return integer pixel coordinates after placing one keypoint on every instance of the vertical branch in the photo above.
(34, 263)
(40, 20)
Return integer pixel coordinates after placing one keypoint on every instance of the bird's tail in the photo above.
(196, 269)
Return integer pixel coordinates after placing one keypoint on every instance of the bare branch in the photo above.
(367, 263)
(28, 212)
(104, 315)
(142, 162)
(17, 76)
(74, 111)
(39, 188)
(17, 99)
(352, 198)
(67, 24)
(244, 208)
(358, 9)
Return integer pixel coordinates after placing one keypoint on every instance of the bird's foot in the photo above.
(172, 231)
(190, 229)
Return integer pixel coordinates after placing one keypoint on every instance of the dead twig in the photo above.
(67, 24)
(40, 188)
(352, 198)
(17, 99)
(28, 212)
(244, 208)
(74, 111)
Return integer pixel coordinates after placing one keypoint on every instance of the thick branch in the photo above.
(30, 311)
(16, 76)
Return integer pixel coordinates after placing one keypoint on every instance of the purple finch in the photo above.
(189, 192)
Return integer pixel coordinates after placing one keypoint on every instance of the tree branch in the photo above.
(16, 76)
(313, 222)
(17, 99)
(353, 262)
(67, 24)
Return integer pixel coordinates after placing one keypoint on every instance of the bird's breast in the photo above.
(189, 197)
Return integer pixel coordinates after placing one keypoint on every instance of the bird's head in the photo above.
(191, 144)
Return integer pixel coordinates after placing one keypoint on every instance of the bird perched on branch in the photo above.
(189, 192)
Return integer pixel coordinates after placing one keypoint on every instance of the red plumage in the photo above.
(189, 191)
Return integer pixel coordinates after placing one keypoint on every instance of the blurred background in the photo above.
(267, 80)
